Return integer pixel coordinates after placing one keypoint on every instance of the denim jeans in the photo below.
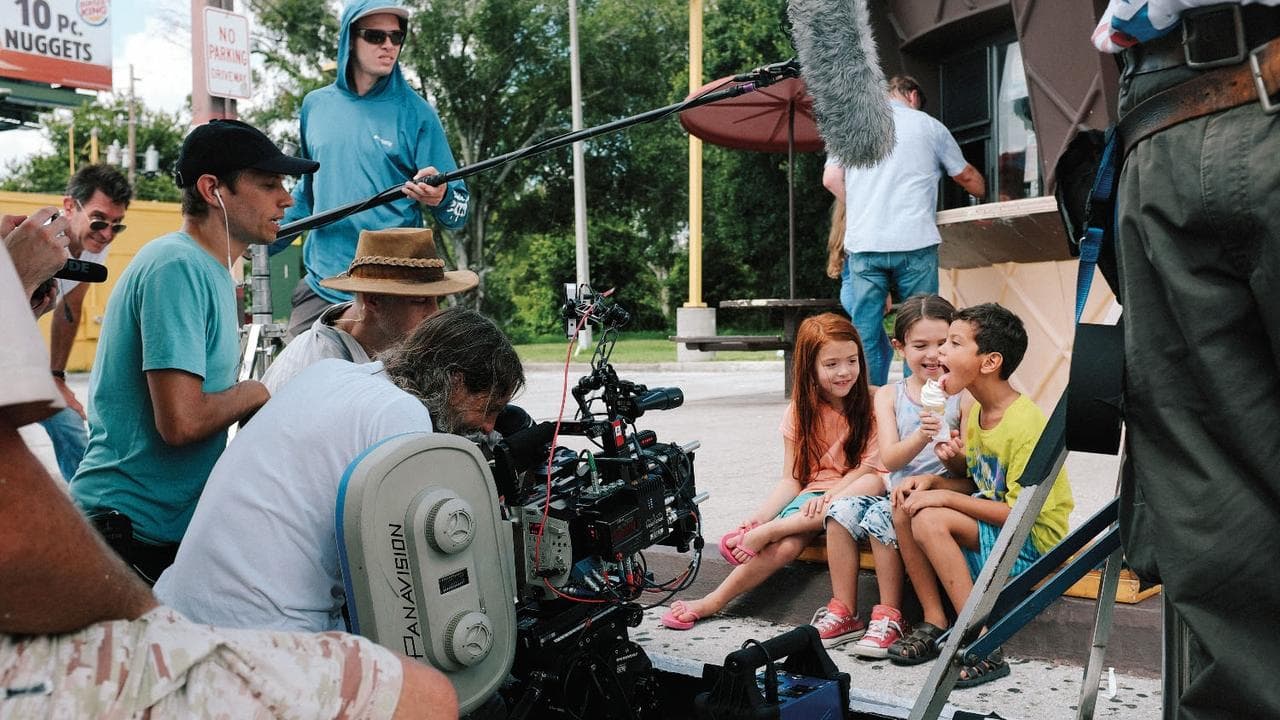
(868, 278)
(69, 437)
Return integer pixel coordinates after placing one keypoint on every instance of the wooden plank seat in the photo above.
(733, 342)
(1128, 591)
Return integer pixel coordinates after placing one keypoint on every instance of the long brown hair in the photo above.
(806, 395)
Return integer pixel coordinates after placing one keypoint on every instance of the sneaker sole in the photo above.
(876, 653)
(838, 641)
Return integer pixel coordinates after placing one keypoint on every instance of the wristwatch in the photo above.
(60, 374)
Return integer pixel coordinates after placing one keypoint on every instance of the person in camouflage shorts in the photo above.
(165, 666)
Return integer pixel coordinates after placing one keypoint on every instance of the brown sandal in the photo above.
(920, 646)
(984, 671)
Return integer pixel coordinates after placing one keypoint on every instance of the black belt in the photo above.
(1208, 37)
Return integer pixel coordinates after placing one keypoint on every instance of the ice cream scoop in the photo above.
(933, 399)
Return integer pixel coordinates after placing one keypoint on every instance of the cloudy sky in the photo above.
(153, 35)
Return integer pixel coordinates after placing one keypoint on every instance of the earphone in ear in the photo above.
(218, 194)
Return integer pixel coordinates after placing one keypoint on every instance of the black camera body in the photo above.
(580, 521)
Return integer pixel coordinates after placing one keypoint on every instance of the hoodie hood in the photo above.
(392, 83)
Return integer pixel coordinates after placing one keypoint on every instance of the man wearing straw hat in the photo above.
(397, 279)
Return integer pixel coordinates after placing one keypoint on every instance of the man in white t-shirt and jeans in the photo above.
(891, 237)
(96, 200)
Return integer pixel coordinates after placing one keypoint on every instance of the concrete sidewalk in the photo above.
(734, 410)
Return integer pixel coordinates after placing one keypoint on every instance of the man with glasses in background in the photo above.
(96, 200)
(369, 130)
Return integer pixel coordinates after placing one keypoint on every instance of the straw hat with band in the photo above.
(400, 261)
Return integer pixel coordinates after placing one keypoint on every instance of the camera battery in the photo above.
(804, 698)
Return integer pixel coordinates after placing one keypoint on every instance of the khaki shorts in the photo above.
(165, 666)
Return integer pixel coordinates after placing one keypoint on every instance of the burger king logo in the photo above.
(95, 12)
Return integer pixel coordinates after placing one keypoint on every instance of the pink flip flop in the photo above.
(671, 620)
(726, 552)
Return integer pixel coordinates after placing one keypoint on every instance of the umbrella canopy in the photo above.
(758, 120)
(776, 118)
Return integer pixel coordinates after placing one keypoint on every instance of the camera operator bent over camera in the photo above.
(261, 550)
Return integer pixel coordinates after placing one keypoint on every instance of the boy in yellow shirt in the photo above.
(947, 527)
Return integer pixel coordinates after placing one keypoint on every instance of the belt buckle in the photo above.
(1202, 19)
(1264, 98)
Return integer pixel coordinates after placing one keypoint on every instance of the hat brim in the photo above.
(455, 281)
(287, 165)
(400, 12)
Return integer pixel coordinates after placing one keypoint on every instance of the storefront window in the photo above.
(1017, 157)
(986, 108)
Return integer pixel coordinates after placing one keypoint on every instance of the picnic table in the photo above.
(793, 311)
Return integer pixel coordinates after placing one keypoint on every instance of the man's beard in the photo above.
(445, 417)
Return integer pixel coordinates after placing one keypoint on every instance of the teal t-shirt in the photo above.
(173, 308)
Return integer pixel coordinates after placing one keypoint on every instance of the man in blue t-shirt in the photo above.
(370, 131)
(163, 389)
(890, 235)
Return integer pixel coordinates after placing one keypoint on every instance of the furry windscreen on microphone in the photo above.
(841, 68)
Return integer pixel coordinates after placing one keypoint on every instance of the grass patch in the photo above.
(632, 347)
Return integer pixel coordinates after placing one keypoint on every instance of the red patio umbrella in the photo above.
(776, 118)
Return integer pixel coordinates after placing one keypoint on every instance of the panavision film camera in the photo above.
(517, 568)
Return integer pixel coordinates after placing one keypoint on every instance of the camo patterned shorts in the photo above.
(165, 666)
(864, 515)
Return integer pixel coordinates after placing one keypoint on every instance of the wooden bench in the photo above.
(709, 343)
(1128, 591)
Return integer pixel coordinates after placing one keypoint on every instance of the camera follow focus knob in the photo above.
(468, 638)
(451, 525)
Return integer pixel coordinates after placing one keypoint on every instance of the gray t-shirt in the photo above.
(322, 340)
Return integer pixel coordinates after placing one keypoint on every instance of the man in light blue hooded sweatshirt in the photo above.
(369, 130)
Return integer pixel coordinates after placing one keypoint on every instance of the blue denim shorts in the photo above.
(865, 515)
(987, 534)
(794, 506)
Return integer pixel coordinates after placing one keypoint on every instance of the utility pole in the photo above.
(579, 172)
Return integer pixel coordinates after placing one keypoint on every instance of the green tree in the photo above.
(48, 173)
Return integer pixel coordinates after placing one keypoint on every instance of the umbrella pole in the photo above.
(791, 195)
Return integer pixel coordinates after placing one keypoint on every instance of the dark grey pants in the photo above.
(307, 306)
(1199, 256)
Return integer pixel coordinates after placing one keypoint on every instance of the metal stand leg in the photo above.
(264, 338)
(1101, 634)
(1043, 466)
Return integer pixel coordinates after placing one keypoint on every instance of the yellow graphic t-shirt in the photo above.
(997, 458)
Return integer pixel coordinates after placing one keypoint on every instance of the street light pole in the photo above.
(133, 132)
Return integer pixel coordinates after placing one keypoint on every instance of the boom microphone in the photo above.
(842, 72)
(82, 271)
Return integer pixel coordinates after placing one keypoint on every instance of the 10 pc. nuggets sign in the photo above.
(61, 42)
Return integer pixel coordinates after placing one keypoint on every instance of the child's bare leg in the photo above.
(775, 530)
(889, 572)
(747, 576)
(842, 563)
(919, 570)
(941, 533)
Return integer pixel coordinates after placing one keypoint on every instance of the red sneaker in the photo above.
(836, 624)
(886, 627)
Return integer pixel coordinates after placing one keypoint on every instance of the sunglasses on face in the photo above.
(98, 225)
(377, 37)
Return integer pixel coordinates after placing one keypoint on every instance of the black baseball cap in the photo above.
(222, 146)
